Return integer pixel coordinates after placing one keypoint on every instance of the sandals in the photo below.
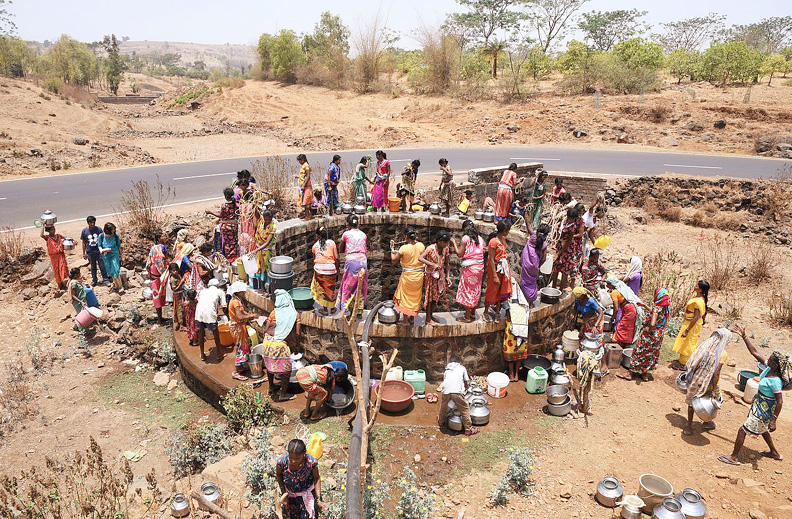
(728, 460)
(768, 454)
(431, 398)
(239, 376)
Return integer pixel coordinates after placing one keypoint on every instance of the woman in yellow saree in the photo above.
(265, 245)
(695, 311)
(407, 298)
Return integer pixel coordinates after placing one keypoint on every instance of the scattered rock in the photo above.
(720, 124)
(513, 129)
(623, 138)
(756, 514)
(566, 492)
(113, 299)
(579, 132)
(80, 141)
(52, 114)
(36, 152)
(694, 127)
(29, 293)
(172, 384)
(161, 379)
(417, 458)
(227, 474)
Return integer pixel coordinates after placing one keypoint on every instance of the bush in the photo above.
(195, 93)
(11, 245)
(375, 493)
(195, 446)
(413, 503)
(663, 270)
(17, 400)
(683, 63)
(732, 61)
(719, 261)
(246, 408)
(781, 307)
(275, 175)
(53, 85)
(259, 471)
(230, 83)
(764, 260)
(517, 477)
(143, 207)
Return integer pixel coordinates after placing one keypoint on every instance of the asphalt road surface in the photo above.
(73, 196)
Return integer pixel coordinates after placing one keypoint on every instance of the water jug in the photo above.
(253, 336)
(240, 270)
(417, 379)
(315, 446)
(395, 373)
(536, 381)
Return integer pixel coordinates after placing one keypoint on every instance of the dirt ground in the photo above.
(268, 117)
(635, 429)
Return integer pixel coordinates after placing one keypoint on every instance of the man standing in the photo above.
(455, 383)
(90, 246)
(332, 177)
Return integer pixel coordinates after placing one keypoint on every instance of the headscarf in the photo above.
(784, 361)
(186, 249)
(181, 235)
(702, 365)
(629, 296)
(636, 265)
(285, 315)
(237, 286)
(663, 299)
(579, 291)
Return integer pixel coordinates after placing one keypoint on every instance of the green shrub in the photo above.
(517, 477)
(194, 447)
(246, 408)
(259, 471)
(731, 62)
(195, 93)
(413, 502)
(52, 84)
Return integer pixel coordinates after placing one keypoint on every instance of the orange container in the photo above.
(225, 334)
(393, 204)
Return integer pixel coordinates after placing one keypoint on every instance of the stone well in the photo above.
(420, 347)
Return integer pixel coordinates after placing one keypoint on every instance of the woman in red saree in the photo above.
(471, 252)
(435, 257)
(56, 254)
(499, 287)
(503, 204)
(157, 265)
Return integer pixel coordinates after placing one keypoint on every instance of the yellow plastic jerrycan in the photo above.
(316, 446)
(602, 242)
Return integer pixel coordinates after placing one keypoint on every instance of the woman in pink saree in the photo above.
(471, 252)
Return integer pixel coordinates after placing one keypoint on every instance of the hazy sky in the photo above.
(242, 21)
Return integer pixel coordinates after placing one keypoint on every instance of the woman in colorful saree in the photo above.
(325, 278)
(647, 349)
(499, 287)
(353, 243)
(471, 252)
(282, 327)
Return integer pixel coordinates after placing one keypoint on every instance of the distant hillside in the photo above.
(214, 56)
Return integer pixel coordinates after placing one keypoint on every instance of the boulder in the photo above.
(80, 141)
(112, 299)
(227, 474)
(579, 132)
(29, 293)
(720, 124)
(623, 138)
(38, 271)
(694, 126)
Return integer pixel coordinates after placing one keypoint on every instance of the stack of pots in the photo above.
(281, 274)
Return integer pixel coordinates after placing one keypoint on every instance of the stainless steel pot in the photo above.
(558, 354)
(693, 506)
(146, 282)
(589, 344)
(488, 216)
(558, 378)
(561, 409)
(455, 421)
(681, 382)
(48, 219)
(479, 414)
(670, 508)
(387, 314)
(631, 507)
(609, 492)
(282, 265)
(297, 362)
(360, 209)
(626, 357)
(211, 492)
(346, 208)
(476, 393)
(68, 244)
(706, 407)
(180, 506)
(478, 215)
(434, 208)
(557, 394)
(360, 200)
(549, 295)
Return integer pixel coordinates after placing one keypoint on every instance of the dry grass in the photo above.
(763, 262)
(143, 206)
(17, 400)
(275, 175)
(719, 259)
(781, 307)
(664, 270)
(11, 245)
(776, 194)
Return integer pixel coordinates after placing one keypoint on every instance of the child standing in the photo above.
(176, 282)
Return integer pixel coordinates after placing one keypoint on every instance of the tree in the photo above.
(684, 63)
(16, 58)
(7, 25)
(772, 64)
(604, 29)
(637, 53)
(113, 65)
(330, 36)
(493, 49)
(71, 61)
(550, 18)
(370, 42)
(265, 51)
(769, 35)
(690, 34)
(485, 17)
(729, 62)
(287, 55)
(537, 63)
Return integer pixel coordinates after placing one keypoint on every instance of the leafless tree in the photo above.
(690, 34)
(549, 18)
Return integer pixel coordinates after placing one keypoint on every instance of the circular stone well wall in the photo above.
(420, 347)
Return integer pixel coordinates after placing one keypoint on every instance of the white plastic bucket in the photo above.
(250, 264)
(547, 267)
(751, 388)
(570, 341)
(395, 373)
(497, 383)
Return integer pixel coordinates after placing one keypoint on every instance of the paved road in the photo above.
(73, 196)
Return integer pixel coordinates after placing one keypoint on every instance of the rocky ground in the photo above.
(45, 133)
(121, 388)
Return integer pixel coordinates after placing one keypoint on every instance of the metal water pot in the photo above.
(670, 508)
(693, 506)
(297, 363)
(360, 209)
(211, 492)
(434, 208)
(360, 200)
(588, 343)
(48, 219)
(387, 314)
(147, 293)
(455, 421)
(180, 506)
(560, 378)
(479, 414)
(478, 215)
(346, 208)
(489, 216)
(476, 394)
(559, 355)
(68, 244)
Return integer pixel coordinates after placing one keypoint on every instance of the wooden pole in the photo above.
(211, 507)
(354, 490)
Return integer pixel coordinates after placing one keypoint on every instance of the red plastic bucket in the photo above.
(88, 316)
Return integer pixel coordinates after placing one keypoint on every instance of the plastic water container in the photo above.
(225, 334)
(497, 383)
(240, 269)
(536, 380)
(417, 379)
(315, 446)
(90, 298)
(751, 388)
(88, 315)
(395, 373)
(252, 335)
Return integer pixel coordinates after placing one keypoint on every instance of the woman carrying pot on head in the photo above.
(229, 225)
(238, 318)
(499, 287)
(318, 382)
(325, 278)
(695, 314)
(379, 193)
(282, 330)
(56, 253)
(533, 255)
(435, 257)
(446, 186)
(503, 202)
(703, 374)
(647, 350)
(407, 298)
(157, 265)
(359, 190)
(767, 403)
(297, 474)
(471, 254)
(110, 248)
(353, 243)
